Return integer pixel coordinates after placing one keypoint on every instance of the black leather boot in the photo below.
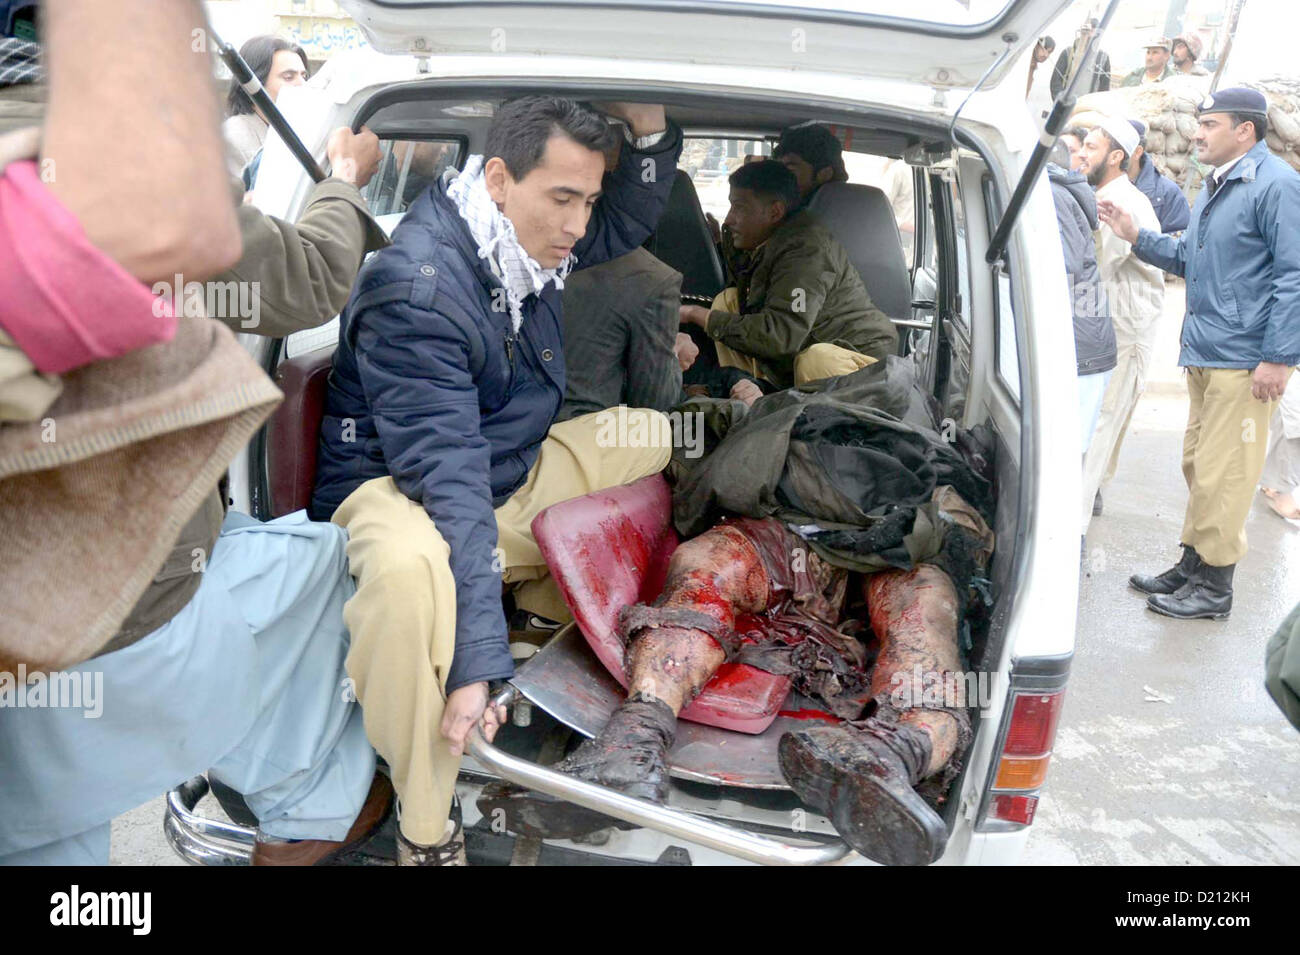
(861, 777)
(1171, 579)
(1207, 594)
(629, 755)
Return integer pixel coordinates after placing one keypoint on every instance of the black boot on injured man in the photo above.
(753, 590)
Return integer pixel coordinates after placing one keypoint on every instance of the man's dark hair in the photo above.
(770, 181)
(815, 145)
(522, 127)
(1124, 157)
(258, 54)
(1048, 43)
(1078, 132)
(1258, 120)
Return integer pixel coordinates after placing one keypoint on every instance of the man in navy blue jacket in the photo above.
(437, 447)
(1240, 339)
(1166, 198)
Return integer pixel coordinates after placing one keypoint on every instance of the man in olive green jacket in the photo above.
(291, 276)
(1156, 69)
(1282, 667)
(799, 311)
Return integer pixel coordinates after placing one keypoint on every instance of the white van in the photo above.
(992, 342)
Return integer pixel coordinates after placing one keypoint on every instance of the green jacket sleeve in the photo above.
(1282, 667)
(302, 272)
(800, 278)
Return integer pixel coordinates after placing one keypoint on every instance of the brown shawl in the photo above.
(93, 496)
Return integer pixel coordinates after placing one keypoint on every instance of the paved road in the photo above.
(1209, 776)
(1213, 775)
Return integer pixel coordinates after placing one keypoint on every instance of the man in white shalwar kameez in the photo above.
(1136, 292)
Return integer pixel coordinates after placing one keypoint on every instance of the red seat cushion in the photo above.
(294, 430)
(610, 549)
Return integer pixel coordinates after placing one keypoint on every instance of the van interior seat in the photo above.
(293, 431)
(861, 218)
(683, 241)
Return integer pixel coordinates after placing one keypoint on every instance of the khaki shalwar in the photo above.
(1223, 454)
(403, 616)
(822, 360)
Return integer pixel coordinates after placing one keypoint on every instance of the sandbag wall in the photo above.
(1169, 111)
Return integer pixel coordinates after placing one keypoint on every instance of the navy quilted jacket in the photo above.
(430, 386)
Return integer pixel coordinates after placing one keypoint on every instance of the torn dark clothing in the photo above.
(799, 634)
(852, 465)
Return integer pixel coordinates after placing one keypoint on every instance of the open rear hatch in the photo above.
(941, 43)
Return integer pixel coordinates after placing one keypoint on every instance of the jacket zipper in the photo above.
(510, 359)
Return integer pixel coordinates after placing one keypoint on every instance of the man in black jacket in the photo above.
(438, 444)
(621, 343)
(1094, 336)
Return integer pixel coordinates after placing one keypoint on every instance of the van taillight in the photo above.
(1033, 724)
(1027, 746)
(1027, 738)
(1013, 808)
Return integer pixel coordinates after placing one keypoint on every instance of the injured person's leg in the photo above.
(674, 649)
(862, 773)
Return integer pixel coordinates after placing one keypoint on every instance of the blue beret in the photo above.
(1235, 99)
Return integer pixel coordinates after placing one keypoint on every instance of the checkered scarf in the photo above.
(498, 245)
(20, 62)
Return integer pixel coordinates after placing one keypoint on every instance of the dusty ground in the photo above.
(1213, 775)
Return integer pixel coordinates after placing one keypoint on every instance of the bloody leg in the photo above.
(914, 613)
(717, 575)
(673, 652)
(861, 774)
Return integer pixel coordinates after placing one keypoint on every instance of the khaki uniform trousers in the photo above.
(814, 363)
(403, 615)
(1223, 454)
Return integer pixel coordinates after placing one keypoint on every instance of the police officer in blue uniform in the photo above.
(1240, 256)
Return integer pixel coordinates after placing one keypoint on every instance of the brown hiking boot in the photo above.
(861, 777)
(378, 804)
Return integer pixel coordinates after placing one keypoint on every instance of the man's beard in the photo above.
(1095, 176)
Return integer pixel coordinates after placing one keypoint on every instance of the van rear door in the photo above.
(940, 43)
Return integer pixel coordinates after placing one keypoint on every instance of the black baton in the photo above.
(254, 90)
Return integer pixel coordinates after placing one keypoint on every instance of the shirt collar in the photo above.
(1221, 172)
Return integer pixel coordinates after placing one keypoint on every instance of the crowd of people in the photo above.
(456, 412)
(1122, 239)
(1163, 58)
(450, 422)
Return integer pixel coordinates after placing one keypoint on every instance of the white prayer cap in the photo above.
(1120, 130)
